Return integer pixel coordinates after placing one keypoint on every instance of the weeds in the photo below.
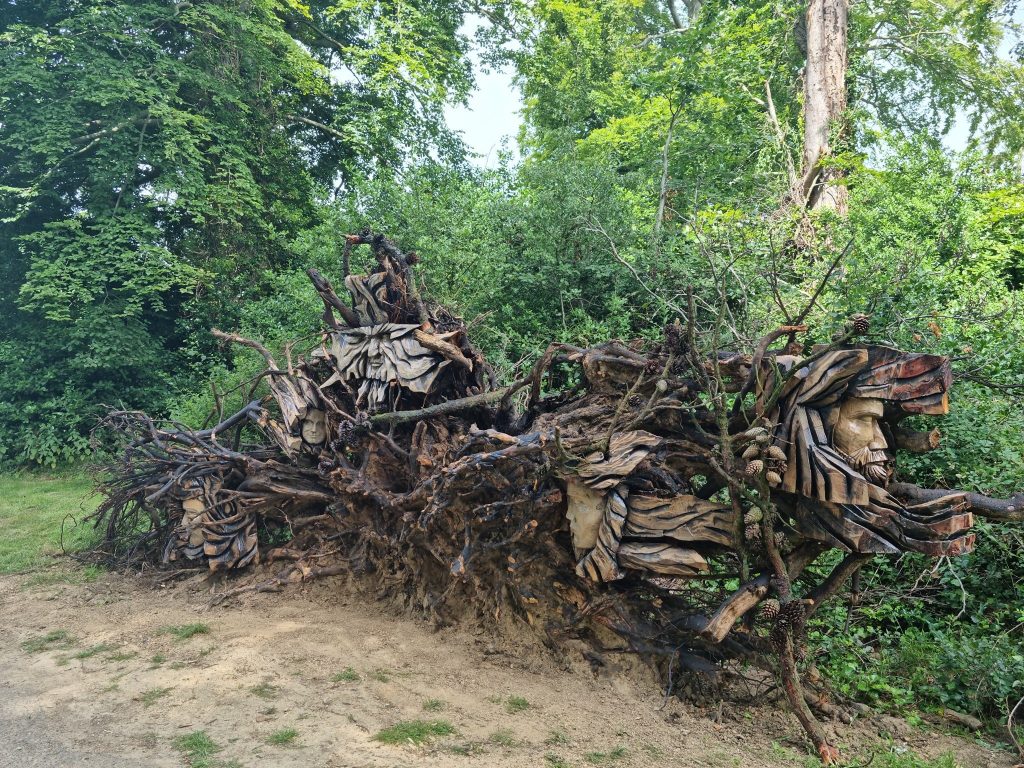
(265, 691)
(603, 758)
(347, 675)
(282, 737)
(150, 697)
(186, 631)
(94, 650)
(434, 705)
(516, 704)
(58, 638)
(414, 732)
(198, 749)
(503, 738)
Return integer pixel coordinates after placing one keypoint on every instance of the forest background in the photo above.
(167, 167)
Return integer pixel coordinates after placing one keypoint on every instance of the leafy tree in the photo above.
(157, 159)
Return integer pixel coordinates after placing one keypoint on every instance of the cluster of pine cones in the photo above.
(788, 618)
(762, 457)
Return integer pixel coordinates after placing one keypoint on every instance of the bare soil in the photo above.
(271, 662)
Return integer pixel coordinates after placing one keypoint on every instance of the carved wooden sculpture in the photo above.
(390, 452)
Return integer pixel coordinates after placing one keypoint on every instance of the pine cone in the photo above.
(636, 401)
(780, 540)
(752, 532)
(752, 452)
(755, 467)
(769, 610)
(774, 452)
(773, 477)
(753, 516)
(861, 324)
(652, 366)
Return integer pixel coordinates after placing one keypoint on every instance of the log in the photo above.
(1000, 510)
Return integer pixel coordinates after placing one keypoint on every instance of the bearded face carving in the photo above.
(828, 422)
(858, 436)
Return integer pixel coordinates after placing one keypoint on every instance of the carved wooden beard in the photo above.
(876, 466)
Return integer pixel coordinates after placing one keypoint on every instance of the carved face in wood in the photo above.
(827, 421)
(378, 357)
(857, 435)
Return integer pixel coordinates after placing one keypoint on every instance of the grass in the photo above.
(283, 737)
(122, 656)
(414, 732)
(381, 675)
(94, 650)
(603, 758)
(158, 659)
(152, 696)
(34, 508)
(198, 749)
(516, 704)
(347, 675)
(85, 575)
(555, 761)
(434, 705)
(557, 737)
(186, 631)
(57, 638)
(265, 691)
(503, 738)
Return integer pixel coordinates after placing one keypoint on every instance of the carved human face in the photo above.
(858, 435)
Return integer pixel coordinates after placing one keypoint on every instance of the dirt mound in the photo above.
(115, 672)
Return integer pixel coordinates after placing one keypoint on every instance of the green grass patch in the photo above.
(282, 737)
(84, 575)
(415, 732)
(94, 650)
(557, 737)
(34, 508)
(503, 738)
(122, 656)
(434, 705)
(516, 704)
(158, 659)
(152, 696)
(265, 691)
(555, 761)
(58, 638)
(198, 749)
(603, 758)
(381, 675)
(186, 631)
(347, 675)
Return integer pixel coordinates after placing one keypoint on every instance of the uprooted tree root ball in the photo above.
(614, 495)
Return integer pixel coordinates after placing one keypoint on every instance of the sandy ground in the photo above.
(267, 664)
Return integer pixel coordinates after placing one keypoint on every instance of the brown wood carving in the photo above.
(582, 507)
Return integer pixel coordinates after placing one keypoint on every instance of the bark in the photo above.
(824, 102)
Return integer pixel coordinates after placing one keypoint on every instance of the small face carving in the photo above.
(859, 437)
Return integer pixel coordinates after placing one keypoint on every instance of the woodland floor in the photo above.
(90, 675)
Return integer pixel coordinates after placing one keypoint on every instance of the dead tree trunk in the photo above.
(824, 102)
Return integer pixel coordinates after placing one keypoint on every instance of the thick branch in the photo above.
(1003, 510)
(917, 442)
(753, 592)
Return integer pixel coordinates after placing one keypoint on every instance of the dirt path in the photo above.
(120, 689)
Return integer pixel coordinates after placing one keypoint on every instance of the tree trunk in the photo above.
(824, 101)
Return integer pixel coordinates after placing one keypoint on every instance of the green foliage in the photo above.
(414, 732)
(167, 157)
(187, 631)
(283, 737)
